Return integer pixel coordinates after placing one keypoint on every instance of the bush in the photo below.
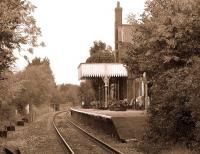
(118, 105)
(7, 113)
(174, 112)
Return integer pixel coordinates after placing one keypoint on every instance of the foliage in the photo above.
(100, 53)
(115, 105)
(7, 113)
(166, 37)
(37, 61)
(38, 85)
(57, 97)
(99, 46)
(166, 45)
(18, 30)
(34, 86)
(174, 110)
(10, 88)
(86, 93)
(101, 57)
(69, 93)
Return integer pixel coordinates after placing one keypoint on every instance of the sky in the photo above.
(69, 28)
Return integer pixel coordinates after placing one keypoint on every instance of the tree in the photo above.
(69, 93)
(175, 111)
(57, 97)
(100, 53)
(10, 88)
(101, 57)
(99, 46)
(166, 37)
(38, 86)
(18, 30)
(166, 46)
(87, 94)
(38, 61)
(7, 114)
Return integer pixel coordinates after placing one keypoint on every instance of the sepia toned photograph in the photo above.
(100, 77)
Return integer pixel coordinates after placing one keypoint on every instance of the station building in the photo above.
(118, 83)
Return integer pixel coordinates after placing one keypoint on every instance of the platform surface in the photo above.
(127, 113)
(129, 124)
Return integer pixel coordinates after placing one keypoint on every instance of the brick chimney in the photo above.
(118, 23)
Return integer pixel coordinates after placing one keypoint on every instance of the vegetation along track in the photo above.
(77, 140)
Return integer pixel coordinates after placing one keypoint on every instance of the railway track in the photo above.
(76, 140)
(66, 145)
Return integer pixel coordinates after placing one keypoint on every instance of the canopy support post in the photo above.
(106, 84)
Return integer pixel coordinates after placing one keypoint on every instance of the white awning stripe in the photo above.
(86, 70)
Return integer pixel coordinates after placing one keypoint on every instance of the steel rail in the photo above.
(99, 142)
(60, 135)
(104, 145)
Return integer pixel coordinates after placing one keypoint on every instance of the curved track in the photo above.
(68, 148)
(106, 147)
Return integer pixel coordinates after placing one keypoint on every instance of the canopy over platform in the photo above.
(88, 70)
(103, 70)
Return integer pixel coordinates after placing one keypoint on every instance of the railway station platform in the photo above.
(125, 125)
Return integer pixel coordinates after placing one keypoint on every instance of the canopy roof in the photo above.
(87, 70)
